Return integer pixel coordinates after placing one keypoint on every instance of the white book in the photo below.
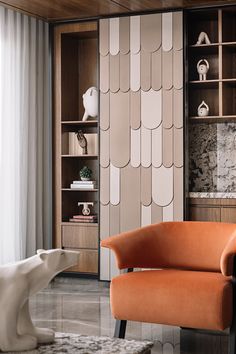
(76, 186)
(84, 182)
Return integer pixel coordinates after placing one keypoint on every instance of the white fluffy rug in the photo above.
(67, 343)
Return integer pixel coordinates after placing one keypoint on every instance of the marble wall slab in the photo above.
(212, 157)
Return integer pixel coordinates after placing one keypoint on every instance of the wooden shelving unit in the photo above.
(75, 70)
(219, 90)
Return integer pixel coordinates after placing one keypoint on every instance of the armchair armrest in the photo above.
(133, 249)
(227, 261)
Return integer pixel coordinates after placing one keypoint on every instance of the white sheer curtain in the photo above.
(25, 136)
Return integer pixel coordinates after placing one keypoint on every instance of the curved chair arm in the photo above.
(227, 261)
(133, 249)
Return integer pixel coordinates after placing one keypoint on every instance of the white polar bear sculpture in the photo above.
(19, 281)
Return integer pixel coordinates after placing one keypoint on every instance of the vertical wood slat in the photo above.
(114, 73)
(220, 63)
(151, 24)
(134, 34)
(157, 69)
(104, 110)
(104, 185)
(124, 35)
(146, 185)
(124, 72)
(135, 109)
(104, 37)
(114, 35)
(145, 70)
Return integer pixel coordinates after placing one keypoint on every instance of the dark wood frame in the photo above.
(120, 326)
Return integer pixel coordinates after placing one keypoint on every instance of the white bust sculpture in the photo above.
(90, 102)
(19, 281)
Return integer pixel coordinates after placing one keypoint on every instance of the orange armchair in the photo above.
(192, 281)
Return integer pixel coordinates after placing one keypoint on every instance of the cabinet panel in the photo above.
(228, 215)
(198, 213)
(77, 236)
(88, 262)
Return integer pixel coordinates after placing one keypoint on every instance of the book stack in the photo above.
(84, 218)
(83, 185)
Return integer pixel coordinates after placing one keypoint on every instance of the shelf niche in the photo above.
(78, 71)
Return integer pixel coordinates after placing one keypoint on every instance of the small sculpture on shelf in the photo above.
(82, 142)
(202, 68)
(203, 109)
(86, 210)
(85, 174)
(203, 39)
(90, 102)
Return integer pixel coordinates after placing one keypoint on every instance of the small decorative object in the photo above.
(202, 68)
(85, 173)
(90, 102)
(82, 142)
(203, 37)
(19, 281)
(86, 210)
(203, 109)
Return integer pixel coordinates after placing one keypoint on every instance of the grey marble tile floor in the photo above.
(82, 306)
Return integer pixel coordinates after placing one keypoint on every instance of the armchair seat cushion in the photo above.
(174, 297)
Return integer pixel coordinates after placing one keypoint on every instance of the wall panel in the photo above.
(141, 130)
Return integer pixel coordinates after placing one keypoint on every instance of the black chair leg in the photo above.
(120, 329)
(232, 339)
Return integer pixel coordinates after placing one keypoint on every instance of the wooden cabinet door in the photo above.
(228, 215)
(199, 213)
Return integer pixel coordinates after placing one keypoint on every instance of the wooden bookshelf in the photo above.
(75, 70)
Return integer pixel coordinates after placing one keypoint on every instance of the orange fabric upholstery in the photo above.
(182, 245)
(173, 297)
(227, 257)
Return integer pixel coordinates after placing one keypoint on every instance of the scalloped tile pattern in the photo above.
(141, 123)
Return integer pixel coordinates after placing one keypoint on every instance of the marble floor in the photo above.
(82, 306)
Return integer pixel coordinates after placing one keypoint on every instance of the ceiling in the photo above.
(56, 10)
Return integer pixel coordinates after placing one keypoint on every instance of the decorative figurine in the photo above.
(202, 68)
(86, 210)
(85, 174)
(203, 37)
(19, 281)
(90, 102)
(82, 141)
(203, 109)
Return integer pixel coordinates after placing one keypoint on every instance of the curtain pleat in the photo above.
(25, 136)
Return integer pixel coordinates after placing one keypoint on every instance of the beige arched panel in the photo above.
(104, 221)
(151, 108)
(104, 185)
(167, 70)
(135, 78)
(130, 213)
(157, 213)
(104, 73)
(178, 30)
(146, 215)
(146, 147)
(135, 109)
(168, 212)
(104, 37)
(114, 73)
(178, 144)
(104, 110)
(135, 153)
(167, 108)
(119, 129)
(114, 185)
(114, 219)
(167, 31)
(178, 194)
(157, 146)
(157, 69)
(125, 72)
(146, 185)
(104, 148)
(151, 24)
(134, 34)
(114, 36)
(145, 70)
(178, 69)
(162, 185)
(167, 147)
(124, 35)
(178, 108)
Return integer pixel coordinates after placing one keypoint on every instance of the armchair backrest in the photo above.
(191, 245)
